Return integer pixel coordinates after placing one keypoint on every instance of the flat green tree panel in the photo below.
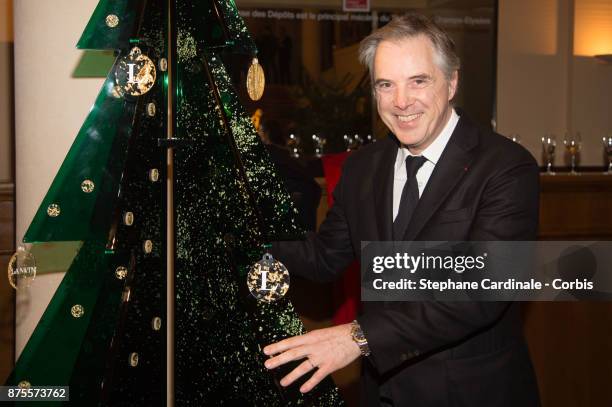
(76, 204)
(111, 25)
(94, 64)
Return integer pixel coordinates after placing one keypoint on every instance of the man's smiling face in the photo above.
(412, 93)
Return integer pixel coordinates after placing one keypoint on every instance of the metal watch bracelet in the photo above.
(359, 338)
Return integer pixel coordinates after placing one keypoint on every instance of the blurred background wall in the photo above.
(6, 90)
(50, 107)
(547, 78)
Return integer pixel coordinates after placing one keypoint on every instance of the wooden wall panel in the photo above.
(570, 345)
(576, 206)
(571, 342)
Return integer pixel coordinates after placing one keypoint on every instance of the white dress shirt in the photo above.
(432, 154)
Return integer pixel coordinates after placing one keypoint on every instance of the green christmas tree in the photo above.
(169, 190)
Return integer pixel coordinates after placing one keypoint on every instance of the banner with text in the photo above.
(486, 271)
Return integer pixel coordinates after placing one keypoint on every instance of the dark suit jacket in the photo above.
(483, 188)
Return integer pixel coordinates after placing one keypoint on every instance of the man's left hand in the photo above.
(327, 350)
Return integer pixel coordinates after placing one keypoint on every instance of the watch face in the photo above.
(357, 334)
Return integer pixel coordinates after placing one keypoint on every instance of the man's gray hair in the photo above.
(409, 26)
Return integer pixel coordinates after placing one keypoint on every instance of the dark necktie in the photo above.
(410, 196)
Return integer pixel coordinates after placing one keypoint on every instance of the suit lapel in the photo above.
(383, 188)
(450, 169)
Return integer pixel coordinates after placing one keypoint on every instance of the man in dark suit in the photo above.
(437, 177)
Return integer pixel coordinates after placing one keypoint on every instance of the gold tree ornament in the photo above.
(163, 64)
(128, 218)
(153, 175)
(256, 80)
(112, 21)
(268, 280)
(121, 272)
(54, 210)
(88, 186)
(24, 384)
(133, 359)
(156, 323)
(135, 73)
(21, 269)
(151, 109)
(77, 311)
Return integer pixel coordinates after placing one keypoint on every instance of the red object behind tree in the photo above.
(347, 290)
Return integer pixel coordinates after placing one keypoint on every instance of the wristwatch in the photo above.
(359, 338)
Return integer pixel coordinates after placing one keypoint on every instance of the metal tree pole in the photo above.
(170, 229)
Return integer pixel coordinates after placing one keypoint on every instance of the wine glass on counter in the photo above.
(351, 143)
(572, 146)
(607, 142)
(549, 145)
(358, 140)
(515, 137)
(319, 142)
(294, 146)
